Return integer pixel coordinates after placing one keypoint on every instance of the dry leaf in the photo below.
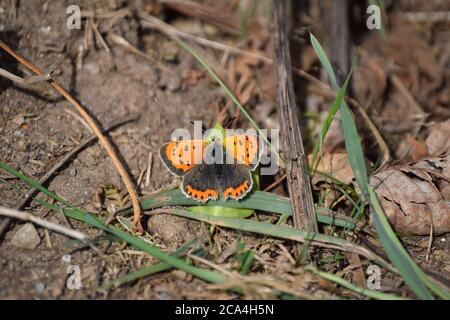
(336, 165)
(416, 197)
(369, 80)
(438, 140)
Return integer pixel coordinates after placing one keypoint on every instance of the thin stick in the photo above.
(99, 36)
(13, 213)
(32, 191)
(149, 169)
(161, 26)
(109, 149)
(129, 47)
(275, 183)
(430, 17)
(303, 211)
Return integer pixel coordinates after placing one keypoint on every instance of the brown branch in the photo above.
(339, 30)
(109, 149)
(25, 216)
(295, 159)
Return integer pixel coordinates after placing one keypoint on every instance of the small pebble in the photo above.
(92, 68)
(40, 287)
(26, 237)
(72, 172)
(174, 83)
(66, 258)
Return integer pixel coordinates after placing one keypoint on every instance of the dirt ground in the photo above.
(37, 127)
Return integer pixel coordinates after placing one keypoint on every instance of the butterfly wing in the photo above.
(235, 180)
(244, 149)
(179, 157)
(201, 183)
(207, 181)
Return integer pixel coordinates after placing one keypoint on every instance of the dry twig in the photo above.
(303, 210)
(4, 226)
(13, 213)
(106, 144)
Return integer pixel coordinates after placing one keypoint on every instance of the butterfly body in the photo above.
(213, 170)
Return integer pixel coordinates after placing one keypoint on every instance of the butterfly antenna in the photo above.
(192, 122)
(230, 122)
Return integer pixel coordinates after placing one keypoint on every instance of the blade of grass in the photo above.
(148, 270)
(408, 269)
(282, 232)
(80, 215)
(258, 200)
(326, 125)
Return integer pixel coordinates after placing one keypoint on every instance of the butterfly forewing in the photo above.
(181, 156)
(244, 149)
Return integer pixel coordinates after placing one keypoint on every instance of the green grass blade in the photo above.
(326, 125)
(324, 61)
(281, 232)
(148, 270)
(258, 200)
(344, 283)
(354, 149)
(80, 215)
(408, 269)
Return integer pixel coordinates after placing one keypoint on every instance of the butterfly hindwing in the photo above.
(201, 183)
(206, 181)
(235, 181)
(181, 156)
(244, 149)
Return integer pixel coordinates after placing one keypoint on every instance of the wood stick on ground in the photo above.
(338, 28)
(299, 185)
(4, 226)
(13, 213)
(106, 144)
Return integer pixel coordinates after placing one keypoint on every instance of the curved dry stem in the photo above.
(109, 149)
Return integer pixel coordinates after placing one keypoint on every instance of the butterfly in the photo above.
(204, 177)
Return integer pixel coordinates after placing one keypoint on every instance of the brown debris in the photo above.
(415, 197)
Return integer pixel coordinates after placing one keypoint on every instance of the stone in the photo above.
(26, 237)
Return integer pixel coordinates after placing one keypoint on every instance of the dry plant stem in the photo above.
(340, 35)
(106, 15)
(129, 47)
(13, 213)
(429, 17)
(4, 226)
(109, 149)
(161, 26)
(275, 183)
(303, 210)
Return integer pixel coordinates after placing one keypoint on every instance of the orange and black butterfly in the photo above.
(204, 177)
